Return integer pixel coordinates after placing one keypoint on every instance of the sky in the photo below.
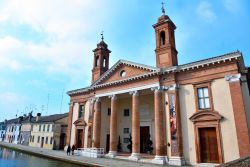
(46, 46)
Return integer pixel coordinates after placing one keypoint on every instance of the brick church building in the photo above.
(189, 114)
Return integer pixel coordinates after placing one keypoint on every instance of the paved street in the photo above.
(61, 155)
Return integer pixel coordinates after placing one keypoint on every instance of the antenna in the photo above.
(162, 8)
(102, 35)
(61, 101)
(47, 105)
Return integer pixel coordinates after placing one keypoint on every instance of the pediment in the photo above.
(123, 70)
(80, 122)
(203, 116)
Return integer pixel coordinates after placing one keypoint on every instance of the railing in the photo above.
(91, 152)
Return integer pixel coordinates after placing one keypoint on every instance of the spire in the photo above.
(102, 35)
(162, 8)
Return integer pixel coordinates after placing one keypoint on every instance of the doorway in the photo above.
(62, 141)
(42, 141)
(208, 145)
(107, 143)
(79, 141)
(144, 135)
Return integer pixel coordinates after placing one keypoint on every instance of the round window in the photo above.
(123, 73)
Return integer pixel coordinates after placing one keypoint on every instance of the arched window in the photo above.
(97, 61)
(104, 62)
(162, 38)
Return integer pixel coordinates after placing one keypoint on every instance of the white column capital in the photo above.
(97, 99)
(113, 97)
(233, 77)
(134, 93)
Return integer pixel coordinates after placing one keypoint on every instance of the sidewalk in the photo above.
(80, 160)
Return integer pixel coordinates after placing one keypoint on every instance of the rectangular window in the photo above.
(126, 130)
(46, 140)
(40, 127)
(33, 139)
(126, 112)
(203, 98)
(125, 140)
(48, 126)
(81, 111)
(44, 128)
(51, 140)
(109, 111)
(38, 139)
(31, 127)
(53, 128)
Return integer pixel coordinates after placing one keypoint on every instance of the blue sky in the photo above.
(46, 46)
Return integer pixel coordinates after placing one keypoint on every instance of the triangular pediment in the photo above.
(123, 70)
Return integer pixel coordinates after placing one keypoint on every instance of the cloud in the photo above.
(205, 12)
(232, 6)
(64, 47)
(10, 98)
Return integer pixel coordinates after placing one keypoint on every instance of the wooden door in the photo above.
(107, 143)
(208, 145)
(79, 143)
(144, 135)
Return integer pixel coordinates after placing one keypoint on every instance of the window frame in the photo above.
(125, 130)
(79, 110)
(210, 96)
(124, 112)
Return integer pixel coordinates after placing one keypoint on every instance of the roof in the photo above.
(157, 71)
(51, 118)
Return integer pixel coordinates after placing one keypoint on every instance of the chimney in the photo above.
(30, 116)
(20, 119)
(38, 116)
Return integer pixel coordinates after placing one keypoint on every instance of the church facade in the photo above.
(189, 114)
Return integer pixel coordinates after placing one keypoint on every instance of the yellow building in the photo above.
(49, 131)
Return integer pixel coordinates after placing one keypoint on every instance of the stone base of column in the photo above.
(111, 154)
(159, 160)
(135, 156)
(178, 161)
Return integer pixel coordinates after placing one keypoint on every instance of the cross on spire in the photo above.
(102, 35)
(162, 8)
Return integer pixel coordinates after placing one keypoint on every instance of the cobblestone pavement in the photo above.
(61, 155)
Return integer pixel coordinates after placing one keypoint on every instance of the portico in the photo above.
(147, 109)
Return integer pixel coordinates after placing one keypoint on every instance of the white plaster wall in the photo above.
(223, 105)
(187, 108)
(246, 97)
(146, 108)
(105, 120)
(74, 118)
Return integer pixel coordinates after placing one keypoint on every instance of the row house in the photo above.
(49, 131)
(2, 130)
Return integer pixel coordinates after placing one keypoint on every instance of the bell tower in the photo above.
(101, 60)
(166, 53)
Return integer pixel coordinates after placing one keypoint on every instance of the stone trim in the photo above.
(233, 78)
(206, 119)
(211, 103)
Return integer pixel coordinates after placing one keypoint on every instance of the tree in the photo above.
(130, 143)
(149, 145)
(119, 146)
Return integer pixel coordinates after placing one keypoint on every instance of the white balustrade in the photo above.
(91, 152)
